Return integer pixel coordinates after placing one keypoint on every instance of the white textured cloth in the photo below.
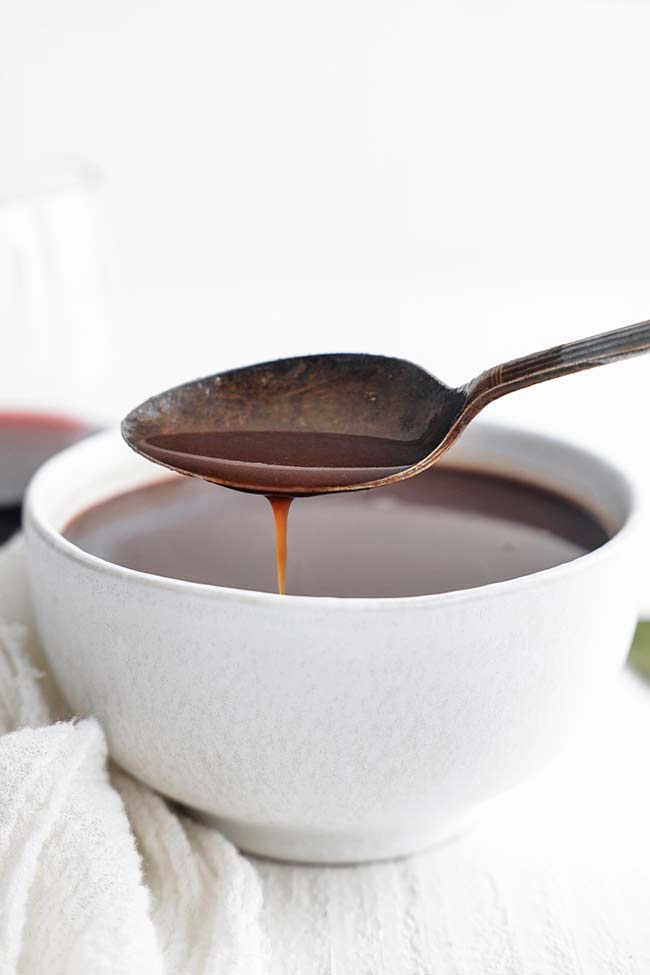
(99, 875)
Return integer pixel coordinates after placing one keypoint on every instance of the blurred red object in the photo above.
(27, 440)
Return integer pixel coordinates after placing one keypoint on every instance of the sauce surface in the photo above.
(445, 530)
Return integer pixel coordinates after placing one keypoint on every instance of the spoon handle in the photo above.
(561, 360)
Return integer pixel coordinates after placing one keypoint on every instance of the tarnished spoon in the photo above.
(324, 423)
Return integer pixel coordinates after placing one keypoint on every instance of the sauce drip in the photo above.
(281, 507)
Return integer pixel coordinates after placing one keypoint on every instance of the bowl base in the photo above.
(334, 848)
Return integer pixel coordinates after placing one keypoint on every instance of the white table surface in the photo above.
(553, 880)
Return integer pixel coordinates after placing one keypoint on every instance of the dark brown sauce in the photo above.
(280, 462)
(444, 530)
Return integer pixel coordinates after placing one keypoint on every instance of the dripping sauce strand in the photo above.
(281, 505)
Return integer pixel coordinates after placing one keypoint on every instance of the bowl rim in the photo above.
(35, 521)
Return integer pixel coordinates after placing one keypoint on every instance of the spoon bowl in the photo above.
(306, 425)
(344, 422)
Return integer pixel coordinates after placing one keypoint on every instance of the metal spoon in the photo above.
(325, 423)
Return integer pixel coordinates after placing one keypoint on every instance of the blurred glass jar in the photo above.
(54, 288)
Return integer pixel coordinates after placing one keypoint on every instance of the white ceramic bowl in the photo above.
(326, 729)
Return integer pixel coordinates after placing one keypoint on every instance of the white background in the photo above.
(454, 182)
